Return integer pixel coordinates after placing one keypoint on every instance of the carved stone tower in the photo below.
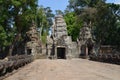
(85, 41)
(33, 46)
(60, 27)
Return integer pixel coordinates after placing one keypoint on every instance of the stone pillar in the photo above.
(25, 50)
(86, 52)
(55, 52)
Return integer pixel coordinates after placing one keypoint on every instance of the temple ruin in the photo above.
(85, 41)
(33, 46)
(59, 44)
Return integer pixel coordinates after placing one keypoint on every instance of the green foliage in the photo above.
(102, 17)
(106, 27)
(16, 17)
(44, 21)
(44, 38)
(73, 25)
(49, 16)
(59, 12)
(3, 37)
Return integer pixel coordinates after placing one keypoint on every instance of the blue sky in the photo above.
(54, 4)
(61, 4)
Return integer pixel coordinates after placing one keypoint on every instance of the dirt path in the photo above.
(75, 69)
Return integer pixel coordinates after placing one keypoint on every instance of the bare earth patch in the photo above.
(74, 69)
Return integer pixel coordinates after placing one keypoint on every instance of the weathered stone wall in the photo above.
(75, 50)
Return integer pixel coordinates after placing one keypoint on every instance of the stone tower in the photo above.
(33, 46)
(60, 27)
(61, 45)
(85, 41)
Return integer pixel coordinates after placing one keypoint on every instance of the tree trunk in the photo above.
(13, 44)
(41, 31)
(10, 50)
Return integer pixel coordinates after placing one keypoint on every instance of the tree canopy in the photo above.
(16, 18)
(102, 17)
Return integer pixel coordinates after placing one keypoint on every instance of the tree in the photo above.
(101, 16)
(44, 21)
(16, 18)
(23, 13)
(59, 12)
(106, 27)
(49, 16)
(6, 30)
(3, 38)
(73, 25)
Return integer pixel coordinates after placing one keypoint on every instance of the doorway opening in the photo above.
(90, 49)
(29, 51)
(83, 50)
(61, 53)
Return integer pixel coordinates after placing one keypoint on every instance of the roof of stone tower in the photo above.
(59, 27)
(85, 34)
(60, 16)
(32, 33)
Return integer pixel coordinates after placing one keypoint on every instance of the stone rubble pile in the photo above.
(12, 63)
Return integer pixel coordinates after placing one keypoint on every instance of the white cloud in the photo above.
(117, 2)
(114, 1)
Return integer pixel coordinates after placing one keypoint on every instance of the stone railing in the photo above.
(108, 58)
(11, 63)
(107, 54)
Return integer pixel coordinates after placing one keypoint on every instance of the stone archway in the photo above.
(83, 50)
(90, 49)
(90, 46)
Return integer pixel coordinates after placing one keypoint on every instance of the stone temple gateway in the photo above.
(59, 44)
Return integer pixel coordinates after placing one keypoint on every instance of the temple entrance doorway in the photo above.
(61, 53)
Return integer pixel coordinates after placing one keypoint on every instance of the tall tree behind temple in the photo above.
(73, 25)
(59, 12)
(6, 30)
(24, 14)
(101, 16)
(16, 16)
(44, 21)
(106, 24)
(49, 16)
